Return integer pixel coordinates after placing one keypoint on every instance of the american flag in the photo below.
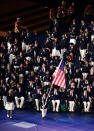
(59, 76)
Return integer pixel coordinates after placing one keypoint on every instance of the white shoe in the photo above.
(18, 106)
(8, 115)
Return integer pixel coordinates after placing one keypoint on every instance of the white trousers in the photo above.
(92, 70)
(4, 100)
(56, 104)
(44, 112)
(19, 101)
(46, 83)
(23, 46)
(11, 57)
(78, 82)
(92, 37)
(82, 53)
(37, 104)
(55, 52)
(27, 47)
(86, 106)
(71, 106)
(62, 52)
(84, 75)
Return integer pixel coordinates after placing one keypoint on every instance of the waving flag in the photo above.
(59, 76)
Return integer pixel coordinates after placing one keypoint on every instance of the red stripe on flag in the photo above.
(59, 78)
(62, 81)
(55, 77)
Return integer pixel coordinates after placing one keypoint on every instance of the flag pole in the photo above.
(49, 93)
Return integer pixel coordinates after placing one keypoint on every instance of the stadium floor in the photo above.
(27, 120)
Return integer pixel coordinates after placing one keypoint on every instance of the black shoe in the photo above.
(44, 118)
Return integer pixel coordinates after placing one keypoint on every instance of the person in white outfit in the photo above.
(55, 100)
(86, 101)
(71, 99)
(38, 98)
(19, 96)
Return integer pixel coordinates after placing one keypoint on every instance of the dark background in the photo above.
(39, 19)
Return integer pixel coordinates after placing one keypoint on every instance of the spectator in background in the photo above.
(19, 96)
(55, 100)
(86, 101)
(71, 99)
(71, 9)
(88, 10)
(51, 18)
(38, 95)
(17, 26)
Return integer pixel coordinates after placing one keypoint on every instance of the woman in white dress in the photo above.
(10, 103)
